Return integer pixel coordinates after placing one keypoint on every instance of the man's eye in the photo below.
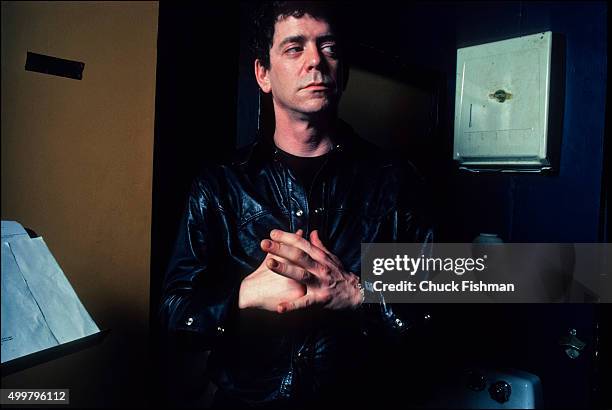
(329, 49)
(293, 50)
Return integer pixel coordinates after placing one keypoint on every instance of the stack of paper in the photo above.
(39, 307)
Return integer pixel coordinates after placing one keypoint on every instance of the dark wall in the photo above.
(195, 124)
(195, 120)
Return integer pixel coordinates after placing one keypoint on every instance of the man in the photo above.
(265, 270)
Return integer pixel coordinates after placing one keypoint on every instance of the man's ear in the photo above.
(261, 75)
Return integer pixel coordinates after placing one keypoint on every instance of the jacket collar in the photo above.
(264, 150)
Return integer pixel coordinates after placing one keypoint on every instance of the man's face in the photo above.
(304, 66)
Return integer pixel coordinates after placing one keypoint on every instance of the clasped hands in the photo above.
(297, 273)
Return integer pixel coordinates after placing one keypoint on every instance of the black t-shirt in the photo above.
(304, 168)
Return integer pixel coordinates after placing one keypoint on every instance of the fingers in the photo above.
(290, 271)
(299, 303)
(311, 259)
(316, 240)
(289, 238)
(279, 258)
(290, 253)
(297, 241)
(270, 256)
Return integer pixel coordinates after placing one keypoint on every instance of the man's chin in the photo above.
(318, 107)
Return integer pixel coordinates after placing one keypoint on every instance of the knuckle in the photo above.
(326, 270)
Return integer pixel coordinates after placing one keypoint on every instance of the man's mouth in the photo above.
(317, 86)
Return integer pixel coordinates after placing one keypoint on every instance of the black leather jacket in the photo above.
(359, 195)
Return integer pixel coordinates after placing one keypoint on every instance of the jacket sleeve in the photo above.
(197, 295)
(413, 224)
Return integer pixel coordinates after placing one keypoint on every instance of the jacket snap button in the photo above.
(189, 321)
(301, 358)
(318, 211)
(299, 212)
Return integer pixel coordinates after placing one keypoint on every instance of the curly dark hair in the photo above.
(269, 12)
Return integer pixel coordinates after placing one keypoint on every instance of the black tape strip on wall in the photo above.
(41, 63)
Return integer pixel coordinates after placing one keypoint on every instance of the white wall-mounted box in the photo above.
(502, 104)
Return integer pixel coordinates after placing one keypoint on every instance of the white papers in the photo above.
(12, 230)
(24, 329)
(39, 306)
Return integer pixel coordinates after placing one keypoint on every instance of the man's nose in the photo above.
(313, 57)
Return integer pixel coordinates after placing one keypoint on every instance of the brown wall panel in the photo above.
(77, 168)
